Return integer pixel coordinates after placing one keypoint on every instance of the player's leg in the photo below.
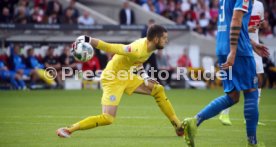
(251, 114)
(20, 81)
(260, 82)
(250, 85)
(214, 107)
(9, 76)
(106, 118)
(226, 101)
(33, 75)
(110, 100)
(158, 92)
(217, 105)
(260, 72)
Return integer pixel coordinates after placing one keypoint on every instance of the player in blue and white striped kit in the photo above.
(233, 50)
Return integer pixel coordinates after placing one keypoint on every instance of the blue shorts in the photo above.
(243, 75)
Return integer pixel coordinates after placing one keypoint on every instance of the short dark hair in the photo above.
(155, 31)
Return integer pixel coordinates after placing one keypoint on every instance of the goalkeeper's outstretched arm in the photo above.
(120, 49)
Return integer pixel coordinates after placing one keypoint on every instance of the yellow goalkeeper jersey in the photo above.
(126, 56)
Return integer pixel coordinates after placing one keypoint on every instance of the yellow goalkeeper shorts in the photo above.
(114, 89)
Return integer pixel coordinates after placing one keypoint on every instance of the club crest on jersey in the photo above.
(128, 49)
(112, 98)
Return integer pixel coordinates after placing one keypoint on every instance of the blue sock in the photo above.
(214, 108)
(251, 115)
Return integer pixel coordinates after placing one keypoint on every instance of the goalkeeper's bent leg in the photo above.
(92, 122)
(164, 104)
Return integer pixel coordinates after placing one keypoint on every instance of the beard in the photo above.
(159, 47)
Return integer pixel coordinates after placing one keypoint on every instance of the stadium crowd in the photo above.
(202, 15)
(199, 15)
(42, 12)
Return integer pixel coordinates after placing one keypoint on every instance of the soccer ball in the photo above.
(82, 51)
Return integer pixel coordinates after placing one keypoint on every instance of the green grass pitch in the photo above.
(30, 118)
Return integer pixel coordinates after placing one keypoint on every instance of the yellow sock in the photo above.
(164, 104)
(92, 122)
(48, 79)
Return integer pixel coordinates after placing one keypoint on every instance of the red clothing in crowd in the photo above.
(184, 61)
(93, 64)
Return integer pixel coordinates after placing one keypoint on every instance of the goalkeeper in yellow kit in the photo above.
(126, 57)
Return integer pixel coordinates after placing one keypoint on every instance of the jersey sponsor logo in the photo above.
(128, 48)
(112, 98)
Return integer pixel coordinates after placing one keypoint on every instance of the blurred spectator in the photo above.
(184, 60)
(149, 6)
(5, 16)
(144, 31)
(32, 61)
(272, 18)
(73, 8)
(37, 15)
(42, 4)
(170, 12)
(53, 19)
(12, 77)
(54, 7)
(67, 60)
(92, 65)
(202, 8)
(191, 14)
(51, 61)
(10, 4)
(177, 10)
(68, 17)
(163, 64)
(127, 16)
(186, 5)
(203, 23)
(34, 64)
(85, 19)
(160, 6)
(190, 22)
(212, 28)
(21, 16)
(18, 65)
(213, 9)
(25, 4)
